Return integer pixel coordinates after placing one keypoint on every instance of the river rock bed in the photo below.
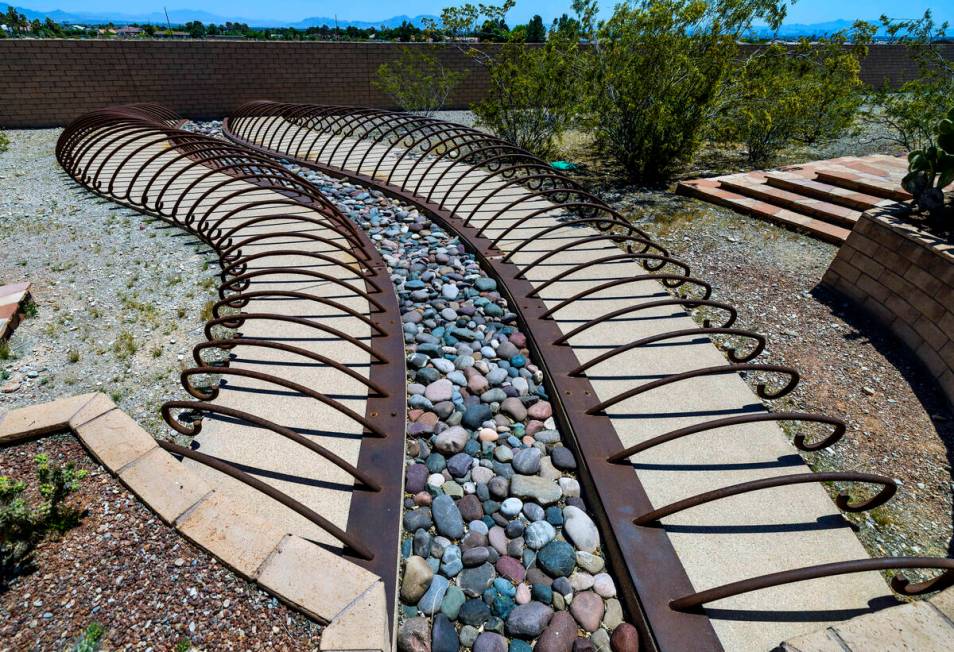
(498, 550)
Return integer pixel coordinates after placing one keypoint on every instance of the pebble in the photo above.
(430, 602)
(559, 634)
(414, 635)
(474, 581)
(580, 529)
(444, 635)
(511, 569)
(587, 608)
(453, 600)
(543, 491)
(625, 639)
(557, 558)
(490, 642)
(527, 460)
(528, 620)
(447, 517)
(417, 579)
(452, 440)
(539, 534)
(604, 586)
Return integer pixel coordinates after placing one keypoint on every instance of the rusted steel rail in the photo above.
(466, 181)
(267, 227)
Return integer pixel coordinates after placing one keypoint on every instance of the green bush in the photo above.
(657, 71)
(804, 93)
(4, 142)
(417, 80)
(90, 640)
(23, 525)
(911, 112)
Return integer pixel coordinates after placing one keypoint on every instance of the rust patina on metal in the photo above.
(115, 151)
(655, 587)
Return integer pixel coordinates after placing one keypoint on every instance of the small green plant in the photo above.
(23, 525)
(125, 345)
(30, 309)
(156, 352)
(184, 644)
(73, 356)
(417, 80)
(89, 641)
(931, 169)
(5, 352)
(4, 142)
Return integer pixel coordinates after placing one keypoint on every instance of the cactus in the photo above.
(930, 170)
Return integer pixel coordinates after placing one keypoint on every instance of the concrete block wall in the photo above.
(46, 83)
(903, 278)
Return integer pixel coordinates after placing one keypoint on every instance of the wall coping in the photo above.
(893, 217)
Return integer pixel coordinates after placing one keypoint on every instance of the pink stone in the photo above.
(477, 384)
(528, 440)
(533, 427)
(523, 594)
(540, 411)
(518, 339)
(511, 569)
(423, 499)
(486, 434)
(625, 638)
(587, 608)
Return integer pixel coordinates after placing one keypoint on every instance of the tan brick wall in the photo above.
(50, 82)
(905, 279)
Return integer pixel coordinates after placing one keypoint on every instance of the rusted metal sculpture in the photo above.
(139, 157)
(443, 169)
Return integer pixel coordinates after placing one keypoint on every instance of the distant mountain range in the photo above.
(182, 16)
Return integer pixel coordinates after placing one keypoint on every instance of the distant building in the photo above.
(128, 32)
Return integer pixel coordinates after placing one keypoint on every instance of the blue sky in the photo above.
(804, 11)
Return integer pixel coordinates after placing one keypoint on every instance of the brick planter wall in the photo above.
(903, 278)
(46, 83)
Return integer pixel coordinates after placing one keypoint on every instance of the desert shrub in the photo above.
(911, 112)
(90, 640)
(23, 525)
(533, 88)
(656, 73)
(783, 94)
(4, 142)
(417, 80)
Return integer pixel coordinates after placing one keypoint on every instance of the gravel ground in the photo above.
(899, 423)
(119, 300)
(123, 568)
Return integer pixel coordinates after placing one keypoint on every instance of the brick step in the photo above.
(868, 184)
(748, 186)
(763, 210)
(834, 194)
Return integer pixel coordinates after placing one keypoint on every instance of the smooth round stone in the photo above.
(503, 454)
(518, 361)
(436, 480)
(499, 487)
(614, 614)
(487, 434)
(459, 465)
(477, 384)
(449, 291)
(513, 408)
(447, 517)
(540, 411)
(543, 491)
(415, 478)
(451, 563)
(470, 508)
(414, 635)
(557, 558)
(453, 489)
(495, 395)
(452, 440)
(625, 638)
(453, 600)
(527, 460)
(430, 602)
(457, 378)
(562, 586)
(497, 376)
(515, 528)
(416, 519)
(533, 512)
(416, 580)
(475, 556)
(436, 463)
(475, 415)
(601, 640)
(570, 487)
(559, 634)
(523, 595)
(507, 349)
(583, 645)
(511, 507)
(474, 612)
(478, 527)
(510, 568)
(604, 586)
(522, 387)
(541, 593)
(498, 539)
(443, 365)
(422, 543)
(485, 284)
(481, 474)
(554, 515)
(580, 529)
(474, 581)
(444, 635)
(562, 458)
(528, 620)
(468, 635)
(538, 534)
(581, 581)
(589, 562)
(490, 642)
(439, 390)
(587, 608)
(504, 587)
(516, 645)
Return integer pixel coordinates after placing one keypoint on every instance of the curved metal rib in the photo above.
(843, 499)
(899, 583)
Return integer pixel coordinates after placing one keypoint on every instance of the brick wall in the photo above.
(903, 278)
(50, 82)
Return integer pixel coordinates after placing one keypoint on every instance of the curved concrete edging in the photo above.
(353, 606)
